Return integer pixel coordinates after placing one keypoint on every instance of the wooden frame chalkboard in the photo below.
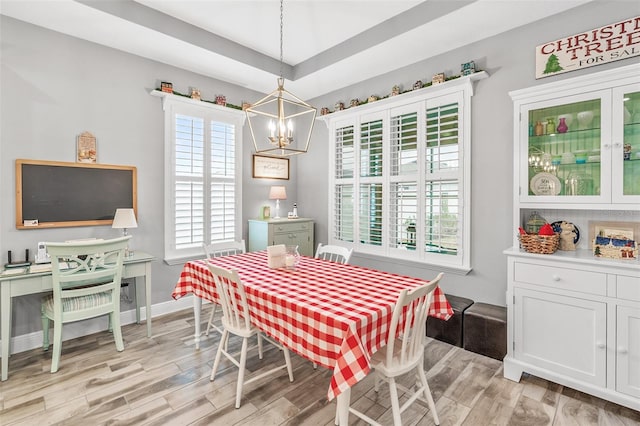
(53, 194)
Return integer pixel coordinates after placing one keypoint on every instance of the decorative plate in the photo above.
(556, 228)
(545, 184)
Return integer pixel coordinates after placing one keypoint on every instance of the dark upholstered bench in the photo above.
(450, 331)
(485, 330)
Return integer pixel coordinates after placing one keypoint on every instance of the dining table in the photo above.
(332, 314)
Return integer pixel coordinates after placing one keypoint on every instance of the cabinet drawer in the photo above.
(628, 288)
(291, 227)
(563, 278)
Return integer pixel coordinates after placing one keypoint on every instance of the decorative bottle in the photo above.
(551, 126)
(539, 130)
(532, 129)
(295, 209)
(562, 126)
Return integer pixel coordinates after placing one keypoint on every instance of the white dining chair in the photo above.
(86, 284)
(333, 253)
(405, 353)
(236, 319)
(225, 248)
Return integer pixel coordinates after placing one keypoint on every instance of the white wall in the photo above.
(54, 87)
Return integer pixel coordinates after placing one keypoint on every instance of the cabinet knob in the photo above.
(555, 277)
(607, 146)
(601, 345)
(622, 350)
(617, 144)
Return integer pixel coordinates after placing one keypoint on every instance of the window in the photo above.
(399, 177)
(203, 166)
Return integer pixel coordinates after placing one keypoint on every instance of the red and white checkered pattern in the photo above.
(332, 314)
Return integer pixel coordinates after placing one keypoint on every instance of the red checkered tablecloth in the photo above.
(332, 314)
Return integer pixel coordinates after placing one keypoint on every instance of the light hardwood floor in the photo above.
(165, 381)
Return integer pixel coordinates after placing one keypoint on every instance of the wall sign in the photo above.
(270, 167)
(602, 45)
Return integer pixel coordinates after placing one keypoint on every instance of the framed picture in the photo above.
(615, 240)
(270, 167)
(265, 212)
(86, 151)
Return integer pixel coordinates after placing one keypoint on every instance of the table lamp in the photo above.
(277, 192)
(123, 219)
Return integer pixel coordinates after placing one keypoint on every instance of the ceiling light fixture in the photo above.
(271, 118)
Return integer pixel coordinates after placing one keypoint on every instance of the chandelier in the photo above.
(271, 119)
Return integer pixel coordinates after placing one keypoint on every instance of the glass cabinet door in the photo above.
(564, 159)
(626, 145)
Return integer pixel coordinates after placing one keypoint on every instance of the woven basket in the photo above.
(541, 244)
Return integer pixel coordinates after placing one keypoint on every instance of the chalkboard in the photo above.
(57, 194)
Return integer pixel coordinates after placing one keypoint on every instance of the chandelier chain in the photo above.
(281, 32)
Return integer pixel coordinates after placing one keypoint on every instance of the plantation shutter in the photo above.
(344, 215)
(189, 181)
(443, 209)
(223, 202)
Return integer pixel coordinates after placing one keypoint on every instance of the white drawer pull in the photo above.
(622, 350)
(601, 345)
(555, 277)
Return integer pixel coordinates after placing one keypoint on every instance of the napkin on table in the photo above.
(276, 256)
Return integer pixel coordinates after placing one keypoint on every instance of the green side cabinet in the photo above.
(268, 232)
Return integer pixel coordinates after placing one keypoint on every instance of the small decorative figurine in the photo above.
(324, 111)
(372, 98)
(417, 85)
(245, 105)
(467, 68)
(221, 100)
(395, 90)
(339, 106)
(195, 94)
(567, 236)
(167, 87)
(437, 78)
(354, 102)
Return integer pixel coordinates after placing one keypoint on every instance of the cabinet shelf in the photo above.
(567, 136)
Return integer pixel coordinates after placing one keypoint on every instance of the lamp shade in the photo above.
(278, 192)
(124, 218)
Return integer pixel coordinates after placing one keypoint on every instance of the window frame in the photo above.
(460, 90)
(175, 105)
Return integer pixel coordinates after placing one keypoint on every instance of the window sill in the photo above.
(172, 261)
(381, 260)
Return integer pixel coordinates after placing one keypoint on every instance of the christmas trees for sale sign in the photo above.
(610, 43)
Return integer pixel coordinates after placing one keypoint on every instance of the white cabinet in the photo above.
(578, 141)
(572, 322)
(574, 318)
(628, 351)
(542, 326)
(298, 232)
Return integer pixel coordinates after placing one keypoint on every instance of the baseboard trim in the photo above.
(27, 342)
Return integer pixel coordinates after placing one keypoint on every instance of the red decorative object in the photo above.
(221, 100)
(546, 229)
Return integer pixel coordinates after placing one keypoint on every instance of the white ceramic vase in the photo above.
(584, 119)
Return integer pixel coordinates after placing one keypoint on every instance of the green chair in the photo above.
(86, 284)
